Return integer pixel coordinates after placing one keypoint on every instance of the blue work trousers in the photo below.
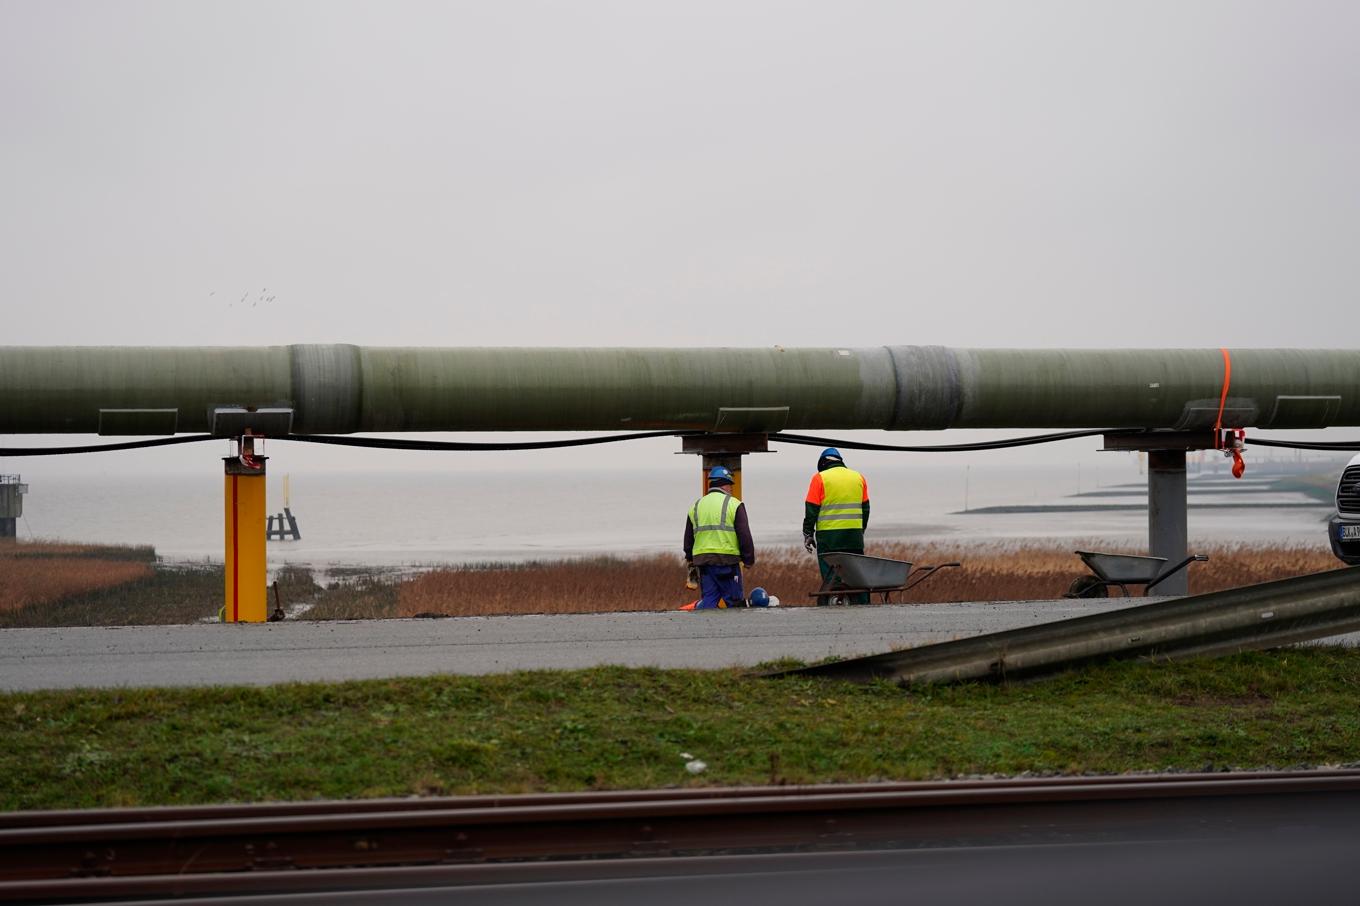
(720, 582)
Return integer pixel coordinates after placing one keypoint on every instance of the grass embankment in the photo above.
(616, 728)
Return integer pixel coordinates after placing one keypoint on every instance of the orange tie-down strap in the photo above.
(1239, 465)
(1223, 398)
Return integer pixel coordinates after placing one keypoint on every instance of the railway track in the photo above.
(481, 841)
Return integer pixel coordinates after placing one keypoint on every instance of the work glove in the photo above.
(810, 543)
(692, 577)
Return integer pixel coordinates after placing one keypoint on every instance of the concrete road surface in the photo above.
(259, 654)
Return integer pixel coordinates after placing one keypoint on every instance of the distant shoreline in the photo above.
(1111, 507)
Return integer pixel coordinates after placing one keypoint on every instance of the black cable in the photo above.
(105, 448)
(810, 441)
(381, 443)
(1339, 446)
(389, 443)
(392, 443)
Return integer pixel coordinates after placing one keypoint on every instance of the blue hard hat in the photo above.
(720, 473)
(760, 597)
(831, 453)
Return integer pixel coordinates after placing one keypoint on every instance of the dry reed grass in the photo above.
(593, 585)
(55, 583)
(36, 550)
(82, 590)
(362, 597)
(995, 572)
(187, 593)
(26, 583)
(40, 572)
(1026, 572)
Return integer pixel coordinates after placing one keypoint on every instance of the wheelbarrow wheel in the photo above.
(1087, 587)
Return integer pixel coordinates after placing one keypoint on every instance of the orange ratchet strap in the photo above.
(1239, 465)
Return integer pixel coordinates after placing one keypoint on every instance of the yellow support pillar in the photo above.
(245, 547)
(723, 450)
(733, 463)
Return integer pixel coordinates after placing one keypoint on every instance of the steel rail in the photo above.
(100, 816)
(454, 879)
(1257, 617)
(276, 852)
(283, 882)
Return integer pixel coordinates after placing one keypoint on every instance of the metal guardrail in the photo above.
(1256, 617)
(347, 846)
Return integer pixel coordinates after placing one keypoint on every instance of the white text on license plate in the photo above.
(1348, 532)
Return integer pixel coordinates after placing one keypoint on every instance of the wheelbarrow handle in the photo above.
(922, 573)
(1168, 573)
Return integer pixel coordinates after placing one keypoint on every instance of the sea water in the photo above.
(463, 515)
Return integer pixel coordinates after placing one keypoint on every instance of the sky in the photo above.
(735, 173)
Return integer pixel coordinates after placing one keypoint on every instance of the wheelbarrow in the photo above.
(859, 574)
(1123, 570)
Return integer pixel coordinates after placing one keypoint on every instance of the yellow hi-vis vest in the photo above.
(714, 518)
(843, 503)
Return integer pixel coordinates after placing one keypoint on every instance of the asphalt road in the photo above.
(1295, 865)
(260, 654)
(217, 654)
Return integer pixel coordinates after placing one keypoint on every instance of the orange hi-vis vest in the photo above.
(843, 494)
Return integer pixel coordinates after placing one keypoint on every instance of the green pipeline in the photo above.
(339, 389)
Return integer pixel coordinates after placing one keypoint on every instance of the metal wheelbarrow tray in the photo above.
(1123, 570)
(861, 574)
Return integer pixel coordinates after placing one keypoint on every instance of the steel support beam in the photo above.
(1167, 523)
(723, 450)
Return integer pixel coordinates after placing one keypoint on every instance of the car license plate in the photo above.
(1348, 532)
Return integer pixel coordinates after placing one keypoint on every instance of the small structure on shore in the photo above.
(12, 493)
(283, 526)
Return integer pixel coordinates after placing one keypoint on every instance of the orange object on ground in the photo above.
(690, 606)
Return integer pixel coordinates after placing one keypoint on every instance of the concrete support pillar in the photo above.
(1167, 531)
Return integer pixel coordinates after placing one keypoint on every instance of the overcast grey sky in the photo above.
(686, 173)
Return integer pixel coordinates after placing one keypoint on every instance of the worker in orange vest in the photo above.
(835, 514)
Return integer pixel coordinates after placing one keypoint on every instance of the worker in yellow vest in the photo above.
(835, 514)
(718, 541)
